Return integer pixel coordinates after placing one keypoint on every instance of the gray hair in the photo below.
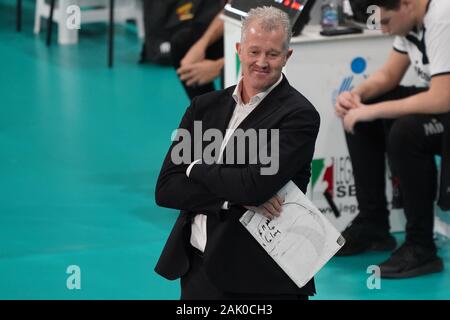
(269, 18)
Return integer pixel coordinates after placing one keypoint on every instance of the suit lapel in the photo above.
(222, 116)
(268, 106)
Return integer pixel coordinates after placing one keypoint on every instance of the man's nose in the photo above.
(262, 61)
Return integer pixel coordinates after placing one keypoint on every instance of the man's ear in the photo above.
(238, 48)
(289, 53)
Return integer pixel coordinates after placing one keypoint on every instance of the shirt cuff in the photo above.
(226, 205)
(188, 170)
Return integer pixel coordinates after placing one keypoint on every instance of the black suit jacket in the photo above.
(233, 260)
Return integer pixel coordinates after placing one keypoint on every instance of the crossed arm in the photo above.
(175, 190)
(209, 185)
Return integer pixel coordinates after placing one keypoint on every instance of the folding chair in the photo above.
(110, 30)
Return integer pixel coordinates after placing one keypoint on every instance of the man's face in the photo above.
(398, 22)
(263, 56)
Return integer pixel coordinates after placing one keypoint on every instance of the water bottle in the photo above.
(330, 15)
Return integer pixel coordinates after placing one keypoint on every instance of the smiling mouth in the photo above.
(261, 71)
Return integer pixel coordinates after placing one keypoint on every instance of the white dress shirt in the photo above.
(241, 111)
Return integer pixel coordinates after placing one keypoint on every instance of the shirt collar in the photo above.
(428, 6)
(256, 98)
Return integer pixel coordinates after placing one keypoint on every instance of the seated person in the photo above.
(197, 52)
(407, 123)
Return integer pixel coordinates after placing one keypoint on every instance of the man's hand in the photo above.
(345, 102)
(200, 73)
(195, 54)
(270, 209)
(363, 113)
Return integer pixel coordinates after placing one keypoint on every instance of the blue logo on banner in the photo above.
(358, 66)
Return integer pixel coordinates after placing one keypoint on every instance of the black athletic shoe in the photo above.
(361, 237)
(411, 260)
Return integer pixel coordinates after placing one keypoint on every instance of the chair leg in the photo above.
(37, 16)
(50, 23)
(111, 34)
(140, 19)
(19, 15)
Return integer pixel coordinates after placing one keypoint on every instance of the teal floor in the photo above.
(80, 151)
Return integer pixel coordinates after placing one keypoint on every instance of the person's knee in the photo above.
(404, 135)
(180, 43)
(399, 92)
(388, 96)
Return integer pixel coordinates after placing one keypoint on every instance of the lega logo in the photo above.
(333, 177)
(322, 178)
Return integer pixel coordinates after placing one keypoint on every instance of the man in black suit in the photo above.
(208, 247)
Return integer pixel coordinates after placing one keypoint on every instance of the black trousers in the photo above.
(180, 44)
(411, 143)
(196, 286)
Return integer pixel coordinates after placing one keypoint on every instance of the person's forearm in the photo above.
(174, 189)
(220, 63)
(213, 33)
(422, 103)
(376, 85)
(385, 79)
(251, 185)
